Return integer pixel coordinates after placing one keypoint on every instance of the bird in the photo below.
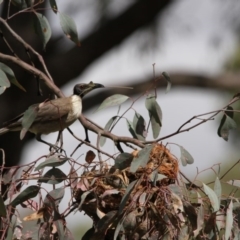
(51, 116)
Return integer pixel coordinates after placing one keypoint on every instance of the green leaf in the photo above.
(126, 196)
(53, 176)
(10, 75)
(52, 161)
(186, 157)
(69, 28)
(227, 123)
(3, 212)
(27, 120)
(53, 5)
(42, 28)
(155, 114)
(113, 100)
(29, 192)
(218, 189)
(139, 126)
(123, 160)
(131, 128)
(229, 221)
(83, 197)
(106, 128)
(54, 197)
(117, 230)
(212, 197)
(4, 82)
(141, 159)
(60, 228)
(167, 78)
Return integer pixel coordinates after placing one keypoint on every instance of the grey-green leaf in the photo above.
(54, 197)
(167, 78)
(141, 159)
(69, 28)
(218, 188)
(131, 129)
(139, 126)
(10, 75)
(106, 128)
(42, 28)
(53, 176)
(52, 161)
(29, 192)
(4, 82)
(186, 157)
(212, 197)
(227, 123)
(126, 196)
(155, 114)
(113, 100)
(27, 120)
(53, 5)
(123, 160)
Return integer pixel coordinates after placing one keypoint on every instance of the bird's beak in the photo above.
(89, 87)
(95, 85)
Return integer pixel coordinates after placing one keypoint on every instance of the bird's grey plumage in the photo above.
(54, 115)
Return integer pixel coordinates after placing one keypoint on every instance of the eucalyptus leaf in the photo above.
(113, 100)
(218, 188)
(11, 76)
(83, 197)
(118, 229)
(53, 176)
(29, 192)
(227, 123)
(126, 196)
(106, 128)
(212, 197)
(141, 159)
(4, 82)
(131, 129)
(123, 160)
(53, 5)
(155, 114)
(69, 28)
(54, 197)
(139, 126)
(42, 28)
(186, 157)
(167, 78)
(27, 120)
(52, 161)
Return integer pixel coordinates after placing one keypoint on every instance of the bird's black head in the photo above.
(83, 88)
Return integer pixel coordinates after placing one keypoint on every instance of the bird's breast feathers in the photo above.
(76, 108)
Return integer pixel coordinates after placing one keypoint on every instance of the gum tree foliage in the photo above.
(137, 194)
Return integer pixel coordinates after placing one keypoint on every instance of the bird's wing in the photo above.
(51, 110)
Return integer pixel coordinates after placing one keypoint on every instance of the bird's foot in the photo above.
(56, 149)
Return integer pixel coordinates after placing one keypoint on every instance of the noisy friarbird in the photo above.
(53, 115)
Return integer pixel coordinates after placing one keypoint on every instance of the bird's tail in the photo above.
(4, 130)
